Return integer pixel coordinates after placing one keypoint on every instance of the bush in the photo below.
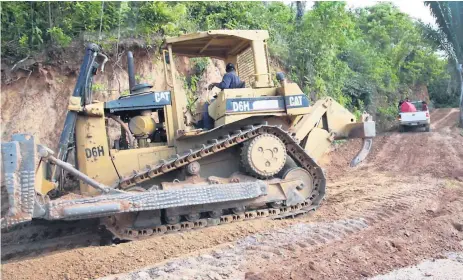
(57, 35)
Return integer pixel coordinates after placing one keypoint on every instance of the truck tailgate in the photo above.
(413, 116)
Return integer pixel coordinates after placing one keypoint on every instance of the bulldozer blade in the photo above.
(363, 153)
(19, 161)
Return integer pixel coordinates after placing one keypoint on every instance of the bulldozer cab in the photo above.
(248, 51)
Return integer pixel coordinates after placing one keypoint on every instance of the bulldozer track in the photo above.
(293, 149)
(275, 213)
(39, 237)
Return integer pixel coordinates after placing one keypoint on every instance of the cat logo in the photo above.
(295, 101)
(164, 95)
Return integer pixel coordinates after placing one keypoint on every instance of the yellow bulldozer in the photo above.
(258, 159)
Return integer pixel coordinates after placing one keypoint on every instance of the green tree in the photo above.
(449, 18)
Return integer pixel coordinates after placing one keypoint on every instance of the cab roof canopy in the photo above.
(215, 43)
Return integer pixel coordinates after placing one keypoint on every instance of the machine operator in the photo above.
(230, 80)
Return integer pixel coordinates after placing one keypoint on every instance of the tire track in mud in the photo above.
(442, 115)
(456, 156)
(271, 247)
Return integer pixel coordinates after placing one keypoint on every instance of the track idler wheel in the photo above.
(263, 156)
(305, 189)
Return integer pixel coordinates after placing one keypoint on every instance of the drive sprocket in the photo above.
(264, 155)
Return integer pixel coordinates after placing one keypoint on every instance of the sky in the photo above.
(416, 9)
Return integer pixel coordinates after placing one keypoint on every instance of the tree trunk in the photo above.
(300, 9)
(460, 82)
(49, 15)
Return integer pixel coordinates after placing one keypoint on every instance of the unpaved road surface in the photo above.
(402, 206)
(449, 268)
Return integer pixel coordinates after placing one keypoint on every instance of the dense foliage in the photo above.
(449, 18)
(366, 58)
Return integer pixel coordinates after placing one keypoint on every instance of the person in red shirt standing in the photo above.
(424, 106)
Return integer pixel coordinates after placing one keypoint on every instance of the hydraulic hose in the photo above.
(126, 128)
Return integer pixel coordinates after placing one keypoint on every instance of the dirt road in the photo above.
(403, 205)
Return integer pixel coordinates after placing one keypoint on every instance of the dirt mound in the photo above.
(336, 162)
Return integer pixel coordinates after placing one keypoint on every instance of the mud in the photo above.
(401, 206)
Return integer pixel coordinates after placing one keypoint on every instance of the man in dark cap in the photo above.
(230, 79)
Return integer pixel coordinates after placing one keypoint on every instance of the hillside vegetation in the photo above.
(367, 59)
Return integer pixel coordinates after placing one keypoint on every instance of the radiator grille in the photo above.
(245, 66)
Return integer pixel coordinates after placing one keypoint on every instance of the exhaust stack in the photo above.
(131, 70)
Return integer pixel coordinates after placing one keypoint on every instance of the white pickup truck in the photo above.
(419, 118)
